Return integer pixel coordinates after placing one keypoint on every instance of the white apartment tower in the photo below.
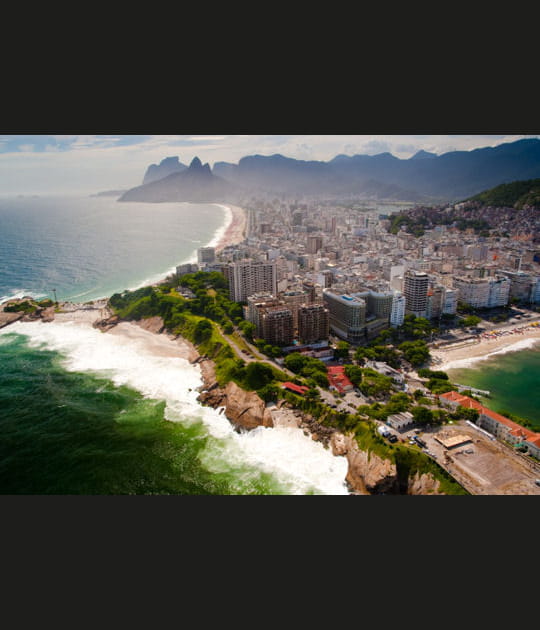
(483, 292)
(397, 314)
(247, 277)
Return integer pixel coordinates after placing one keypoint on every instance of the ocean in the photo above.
(511, 375)
(82, 412)
(91, 247)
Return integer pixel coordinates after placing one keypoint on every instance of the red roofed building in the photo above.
(338, 379)
(297, 389)
(500, 426)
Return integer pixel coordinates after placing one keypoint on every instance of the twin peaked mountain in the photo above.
(173, 181)
(425, 177)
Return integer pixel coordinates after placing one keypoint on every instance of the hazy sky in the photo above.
(48, 164)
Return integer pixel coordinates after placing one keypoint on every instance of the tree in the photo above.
(269, 392)
(294, 362)
(248, 328)
(202, 331)
(312, 394)
(354, 374)
(341, 351)
(422, 415)
(470, 320)
(258, 375)
(416, 352)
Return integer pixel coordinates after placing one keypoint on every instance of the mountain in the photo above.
(423, 155)
(195, 183)
(279, 174)
(512, 195)
(424, 177)
(166, 167)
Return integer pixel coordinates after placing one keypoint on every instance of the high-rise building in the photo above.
(247, 277)
(314, 244)
(535, 291)
(277, 325)
(313, 323)
(297, 217)
(397, 314)
(415, 286)
(309, 287)
(435, 299)
(206, 255)
(521, 284)
(450, 301)
(294, 299)
(347, 315)
(483, 292)
(379, 303)
(255, 304)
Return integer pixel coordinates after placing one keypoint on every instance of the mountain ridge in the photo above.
(196, 183)
(425, 177)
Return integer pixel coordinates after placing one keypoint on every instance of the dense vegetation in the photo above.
(198, 319)
(515, 194)
(21, 307)
(308, 367)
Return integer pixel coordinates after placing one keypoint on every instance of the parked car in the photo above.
(392, 438)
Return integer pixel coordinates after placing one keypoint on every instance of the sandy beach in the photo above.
(236, 230)
(525, 337)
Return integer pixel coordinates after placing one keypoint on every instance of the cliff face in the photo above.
(245, 410)
(423, 484)
(368, 473)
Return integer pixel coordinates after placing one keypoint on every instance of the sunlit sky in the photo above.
(86, 164)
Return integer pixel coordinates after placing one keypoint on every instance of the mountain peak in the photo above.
(167, 166)
(423, 155)
(197, 166)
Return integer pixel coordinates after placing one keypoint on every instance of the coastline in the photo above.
(235, 232)
(485, 347)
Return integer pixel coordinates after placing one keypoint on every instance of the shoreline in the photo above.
(485, 347)
(235, 232)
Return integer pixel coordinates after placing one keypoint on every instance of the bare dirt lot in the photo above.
(483, 466)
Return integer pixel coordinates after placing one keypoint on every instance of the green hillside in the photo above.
(515, 194)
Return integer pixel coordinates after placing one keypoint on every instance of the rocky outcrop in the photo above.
(106, 324)
(151, 324)
(423, 484)
(246, 410)
(368, 473)
(9, 318)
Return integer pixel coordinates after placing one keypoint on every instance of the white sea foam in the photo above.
(522, 344)
(17, 294)
(144, 362)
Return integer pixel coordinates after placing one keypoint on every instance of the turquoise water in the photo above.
(69, 432)
(83, 412)
(513, 379)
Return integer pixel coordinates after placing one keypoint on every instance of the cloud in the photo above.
(206, 138)
(91, 163)
(376, 146)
